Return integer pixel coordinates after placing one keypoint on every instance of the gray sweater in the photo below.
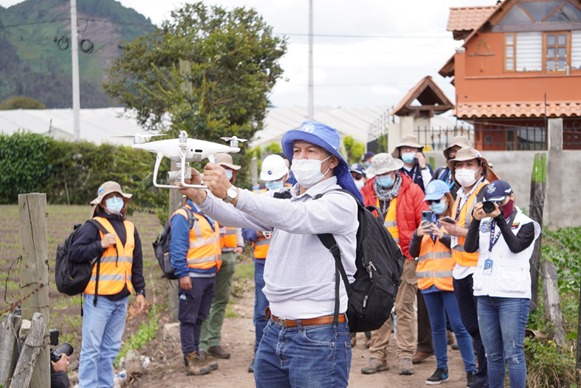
(299, 273)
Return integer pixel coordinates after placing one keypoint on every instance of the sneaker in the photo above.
(470, 379)
(439, 376)
(406, 367)
(375, 365)
(419, 357)
(218, 352)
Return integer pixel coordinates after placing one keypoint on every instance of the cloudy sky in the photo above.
(369, 52)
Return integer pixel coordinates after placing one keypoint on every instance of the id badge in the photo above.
(487, 270)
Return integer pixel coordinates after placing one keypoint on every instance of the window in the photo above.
(529, 51)
(509, 52)
(556, 47)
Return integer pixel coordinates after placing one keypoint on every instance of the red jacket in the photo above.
(408, 212)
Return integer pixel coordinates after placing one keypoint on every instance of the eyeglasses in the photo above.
(434, 201)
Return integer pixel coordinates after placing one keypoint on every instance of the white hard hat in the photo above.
(273, 168)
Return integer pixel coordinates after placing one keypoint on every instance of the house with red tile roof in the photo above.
(519, 65)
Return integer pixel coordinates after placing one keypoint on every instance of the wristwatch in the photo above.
(231, 194)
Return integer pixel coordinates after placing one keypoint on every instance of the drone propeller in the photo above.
(234, 140)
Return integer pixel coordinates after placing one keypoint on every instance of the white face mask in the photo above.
(307, 172)
(465, 176)
(359, 184)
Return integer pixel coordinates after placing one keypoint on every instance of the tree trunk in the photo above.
(10, 326)
(552, 307)
(31, 356)
(34, 273)
(537, 201)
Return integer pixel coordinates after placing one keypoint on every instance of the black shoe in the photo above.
(470, 379)
(439, 376)
(218, 352)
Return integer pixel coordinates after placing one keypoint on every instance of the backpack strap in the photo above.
(330, 243)
(99, 226)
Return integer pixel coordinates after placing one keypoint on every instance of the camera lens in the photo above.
(488, 207)
(65, 348)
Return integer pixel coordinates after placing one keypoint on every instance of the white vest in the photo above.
(510, 275)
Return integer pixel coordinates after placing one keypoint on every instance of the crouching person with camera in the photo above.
(504, 239)
(195, 257)
(58, 372)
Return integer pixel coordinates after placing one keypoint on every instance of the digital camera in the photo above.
(488, 206)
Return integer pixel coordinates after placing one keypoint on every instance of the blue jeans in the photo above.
(260, 302)
(438, 304)
(464, 291)
(303, 356)
(502, 326)
(103, 327)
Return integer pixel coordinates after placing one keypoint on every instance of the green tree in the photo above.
(354, 149)
(21, 102)
(209, 68)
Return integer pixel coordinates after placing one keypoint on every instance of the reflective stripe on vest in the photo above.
(435, 264)
(390, 221)
(204, 253)
(228, 237)
(462, 257)
(261, 246)
(116, 262)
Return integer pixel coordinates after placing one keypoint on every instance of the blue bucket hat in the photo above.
(497, 191)
(436, 190)
(327, 138)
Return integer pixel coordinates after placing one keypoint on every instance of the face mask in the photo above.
(307, 172)
(384, 180)
(367, 164)
(408, 157)
(114, 204)
(465, 177)
(439, 208)
(229, 174)
(274, 185)
(507, 209)
(359, 184)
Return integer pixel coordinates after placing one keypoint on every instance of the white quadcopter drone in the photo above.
(184, 150)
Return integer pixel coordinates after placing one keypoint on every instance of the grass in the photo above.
(65, 311)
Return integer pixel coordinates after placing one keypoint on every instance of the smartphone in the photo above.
(427, 216)
(448, 219)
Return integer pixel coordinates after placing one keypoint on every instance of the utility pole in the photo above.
(75, 69)
(310, 101)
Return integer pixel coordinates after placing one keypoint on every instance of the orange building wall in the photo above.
(480, 76)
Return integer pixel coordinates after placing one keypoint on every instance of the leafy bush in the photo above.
(71, 172)
(24, 165)
(550, 365)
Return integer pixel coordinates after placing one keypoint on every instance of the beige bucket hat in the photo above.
(225, 160)
(458, 141)
(465, 154)
(383, 163)
(108, 188)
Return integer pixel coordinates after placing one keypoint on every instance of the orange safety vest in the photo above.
(228, 237)
(460, 256)
(204, 252)
(435, 265)
(390, 222)
(261, 245)
(116, 262)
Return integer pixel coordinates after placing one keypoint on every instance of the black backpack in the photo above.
(161, 246)
(379, 263)
(72, 278)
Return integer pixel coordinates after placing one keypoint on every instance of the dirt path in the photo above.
(166, 368)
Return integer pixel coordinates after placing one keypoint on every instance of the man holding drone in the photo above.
(299, 273)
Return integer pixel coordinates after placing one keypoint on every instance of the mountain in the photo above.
(35, 54)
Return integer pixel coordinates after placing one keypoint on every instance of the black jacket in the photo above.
(87, 246)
